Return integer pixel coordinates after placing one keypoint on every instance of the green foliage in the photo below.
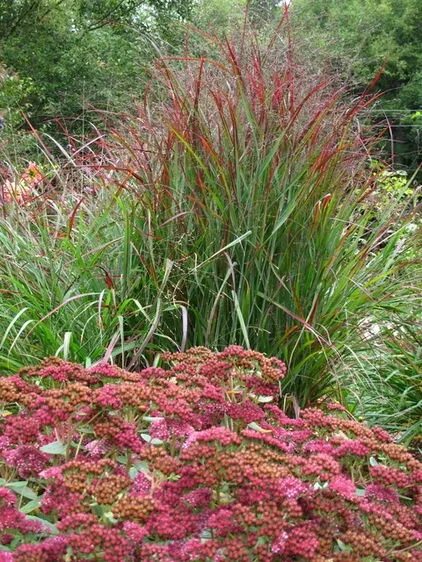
(395, 183)
(392, 393)
(14, 94)
(263, 11)
(374, 32)
(220, 16)
(363, 39)
(81, 55)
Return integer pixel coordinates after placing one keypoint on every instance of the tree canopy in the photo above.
(364, 39)
(63, 56)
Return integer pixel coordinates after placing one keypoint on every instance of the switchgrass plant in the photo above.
(231, 209)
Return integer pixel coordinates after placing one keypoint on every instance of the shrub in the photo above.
(194, 462)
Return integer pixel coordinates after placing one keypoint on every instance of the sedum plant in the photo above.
(194, 462)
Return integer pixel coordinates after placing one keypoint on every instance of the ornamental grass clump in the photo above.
(194, 462)
(233, 208)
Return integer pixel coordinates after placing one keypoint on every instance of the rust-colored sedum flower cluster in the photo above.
(196, 462)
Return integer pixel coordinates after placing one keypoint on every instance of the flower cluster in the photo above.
(194, 463)
(24, 188)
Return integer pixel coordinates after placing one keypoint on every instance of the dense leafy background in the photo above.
(363, 39)
(62, 59)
